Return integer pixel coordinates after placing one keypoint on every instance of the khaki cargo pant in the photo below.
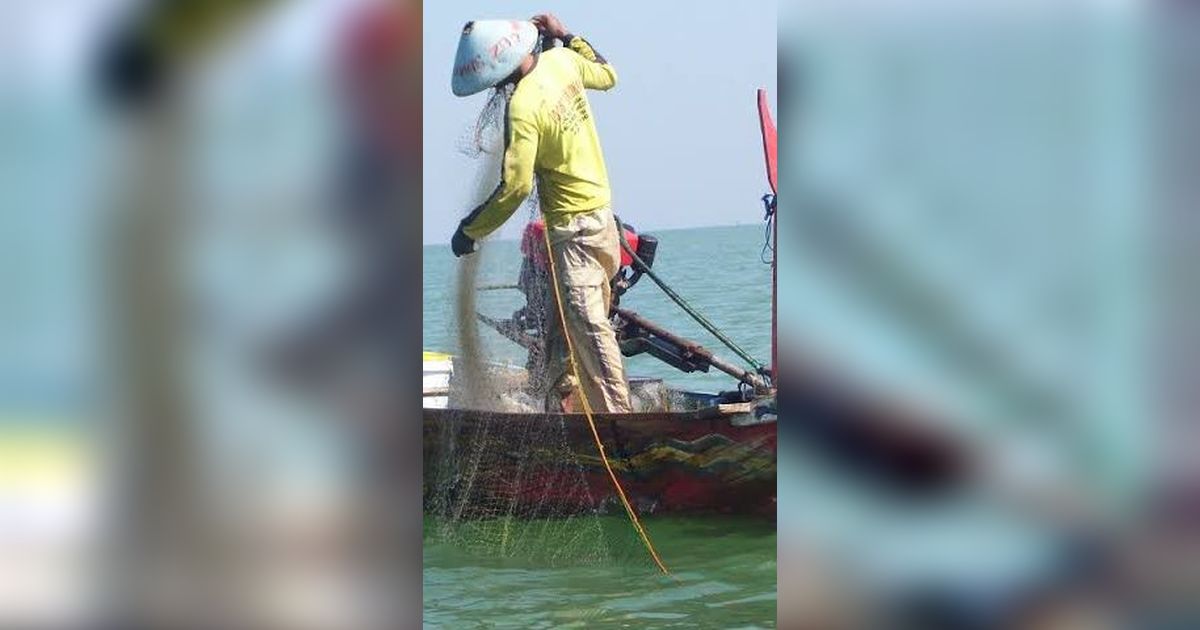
(586, 257)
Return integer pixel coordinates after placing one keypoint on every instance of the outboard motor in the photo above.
(645, 246)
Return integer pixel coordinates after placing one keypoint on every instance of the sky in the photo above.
(679, 131)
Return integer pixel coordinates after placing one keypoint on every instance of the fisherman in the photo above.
(549, 132)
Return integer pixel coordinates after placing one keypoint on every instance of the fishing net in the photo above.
(479, 384)
(516, 487)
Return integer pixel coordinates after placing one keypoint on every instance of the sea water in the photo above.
(723, 568)
(723, 576)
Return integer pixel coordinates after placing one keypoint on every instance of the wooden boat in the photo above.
(702, 456)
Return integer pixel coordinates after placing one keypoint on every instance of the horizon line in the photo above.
(648, 230)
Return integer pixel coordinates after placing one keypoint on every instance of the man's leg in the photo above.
(586, 256)
(596, 351)
(556, 380)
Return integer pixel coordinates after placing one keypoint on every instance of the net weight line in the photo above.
(587, 408)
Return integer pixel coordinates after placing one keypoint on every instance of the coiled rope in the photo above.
(767, 254)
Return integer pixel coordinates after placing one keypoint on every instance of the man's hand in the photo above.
(462, 244)
(549, 24)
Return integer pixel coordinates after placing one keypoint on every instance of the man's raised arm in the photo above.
(596, 72)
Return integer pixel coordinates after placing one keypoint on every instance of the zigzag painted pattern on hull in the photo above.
(713, 454)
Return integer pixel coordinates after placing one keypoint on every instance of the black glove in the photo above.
(461, 243)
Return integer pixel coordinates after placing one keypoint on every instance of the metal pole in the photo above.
(693, 348)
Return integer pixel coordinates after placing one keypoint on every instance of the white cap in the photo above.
(488, 52)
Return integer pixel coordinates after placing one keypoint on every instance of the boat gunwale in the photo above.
(701, 414)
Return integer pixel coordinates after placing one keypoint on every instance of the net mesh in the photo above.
(527, 487)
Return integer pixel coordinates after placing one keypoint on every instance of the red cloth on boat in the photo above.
(533, 243)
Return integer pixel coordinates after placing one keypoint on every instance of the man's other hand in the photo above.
(462, 244)
(549, 24)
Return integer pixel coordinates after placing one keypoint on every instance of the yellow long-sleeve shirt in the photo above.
(549, 131)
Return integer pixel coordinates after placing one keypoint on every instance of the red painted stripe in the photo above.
(770, 140)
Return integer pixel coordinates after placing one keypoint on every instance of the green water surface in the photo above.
(722, 576)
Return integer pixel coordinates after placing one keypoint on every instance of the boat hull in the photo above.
(709, 461)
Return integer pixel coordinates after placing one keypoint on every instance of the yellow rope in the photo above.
(587, 408)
